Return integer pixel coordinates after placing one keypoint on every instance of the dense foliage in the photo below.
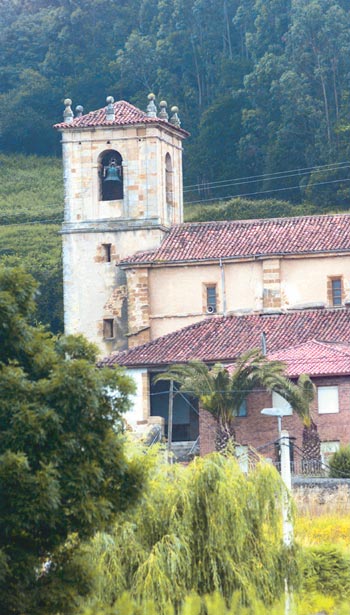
(63, 469)
(339, 463)
(262, 84)
(206, 527)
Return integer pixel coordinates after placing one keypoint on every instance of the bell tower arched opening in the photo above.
(111, 176)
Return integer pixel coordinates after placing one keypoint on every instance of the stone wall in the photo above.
(316, 496)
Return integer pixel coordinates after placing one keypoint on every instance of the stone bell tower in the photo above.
(123, 189)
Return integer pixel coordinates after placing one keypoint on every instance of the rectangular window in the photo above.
(328, 400)
(107, 249)
(243, 408)
(211, 299)
(279, 402)
(337, 291)
(108, 328)
(328, 449)
(242, 454)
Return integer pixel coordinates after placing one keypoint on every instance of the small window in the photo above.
(328, 400)
(243, 408)
(279, 402)
(211, 299)
(108, 328)
(337, 291)
(107, 249)
(328, 449)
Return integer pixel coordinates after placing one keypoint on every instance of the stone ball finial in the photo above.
(79, 110)
(68, 113)
(163, 114)
(110, 117)
(151, 107)
(175, 120)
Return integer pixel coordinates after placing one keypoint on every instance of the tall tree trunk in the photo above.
(311, 447)
(225, 436)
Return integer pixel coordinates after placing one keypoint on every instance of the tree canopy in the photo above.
(262, 85)
(63, 469)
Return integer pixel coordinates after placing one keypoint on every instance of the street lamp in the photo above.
(279, 412)
(287, 523)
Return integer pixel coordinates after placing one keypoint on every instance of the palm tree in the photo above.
(221, 391)
(300, 396)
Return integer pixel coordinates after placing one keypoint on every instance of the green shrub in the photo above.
(327, 571)
(340, 463)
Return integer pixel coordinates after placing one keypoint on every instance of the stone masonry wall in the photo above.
(138, 300)
(271, 284)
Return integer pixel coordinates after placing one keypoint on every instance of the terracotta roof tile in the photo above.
(315, 358)
(243, 238)
(125, 115)
(221, 338)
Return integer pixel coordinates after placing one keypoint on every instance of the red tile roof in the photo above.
(221, 338)
(125, 115)
(315, 358)
(245, 238)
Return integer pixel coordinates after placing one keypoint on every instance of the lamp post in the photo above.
(279, 413)
(287, 524)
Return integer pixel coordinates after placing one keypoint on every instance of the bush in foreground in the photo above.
(340, 463)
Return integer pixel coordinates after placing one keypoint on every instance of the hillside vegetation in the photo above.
(262, 85)
(31, 209)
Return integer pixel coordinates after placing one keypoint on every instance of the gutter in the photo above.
(238, 258)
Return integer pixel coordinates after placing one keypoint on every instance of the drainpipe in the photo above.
(223, 287)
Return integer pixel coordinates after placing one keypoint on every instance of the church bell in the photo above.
(112, 172)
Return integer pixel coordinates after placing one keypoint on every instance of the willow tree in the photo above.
(222, 390)
(206, 527)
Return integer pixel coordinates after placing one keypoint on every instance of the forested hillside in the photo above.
(262, 85)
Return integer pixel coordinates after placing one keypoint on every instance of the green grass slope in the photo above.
(31, 210)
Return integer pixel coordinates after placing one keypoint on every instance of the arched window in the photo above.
(169, 187)
(111, 176)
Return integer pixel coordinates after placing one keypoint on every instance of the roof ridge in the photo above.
(262, 220)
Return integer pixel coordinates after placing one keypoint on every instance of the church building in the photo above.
(151, 290)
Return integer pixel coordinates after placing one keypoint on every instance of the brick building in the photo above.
(315, 341)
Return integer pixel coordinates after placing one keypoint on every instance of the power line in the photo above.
(229, 183)
(331, 167)
(232, 196)
(52, 221)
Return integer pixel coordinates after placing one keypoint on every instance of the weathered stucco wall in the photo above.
(177, 296)
(305, 279)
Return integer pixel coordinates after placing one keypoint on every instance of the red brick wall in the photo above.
(257, 430)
